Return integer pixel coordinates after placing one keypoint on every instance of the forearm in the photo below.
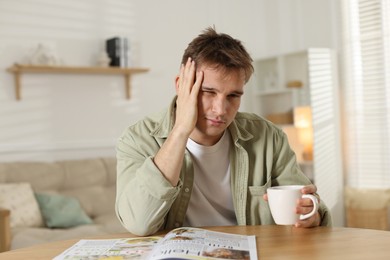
(169, 159)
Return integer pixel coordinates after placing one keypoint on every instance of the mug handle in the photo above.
(315, 206)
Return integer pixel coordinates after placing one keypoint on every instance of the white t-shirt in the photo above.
(211, 202)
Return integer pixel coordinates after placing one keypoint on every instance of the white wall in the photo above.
(73, 116)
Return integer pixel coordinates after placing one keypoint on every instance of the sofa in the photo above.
(49, 201)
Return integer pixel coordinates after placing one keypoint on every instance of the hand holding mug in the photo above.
(294, 205)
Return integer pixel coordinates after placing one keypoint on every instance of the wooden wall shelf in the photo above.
(19, 69)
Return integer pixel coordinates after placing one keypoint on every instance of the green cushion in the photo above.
(60, 211)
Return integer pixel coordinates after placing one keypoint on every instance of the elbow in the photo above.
(137, 227)
(140, 230)
(141, 218)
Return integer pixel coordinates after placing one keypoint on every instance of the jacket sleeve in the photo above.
(286, 171)
(143, 196)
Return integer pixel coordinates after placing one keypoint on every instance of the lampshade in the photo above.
(303, 123)
(302, 117)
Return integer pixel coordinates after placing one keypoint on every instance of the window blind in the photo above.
(324, 105)
(366, 92)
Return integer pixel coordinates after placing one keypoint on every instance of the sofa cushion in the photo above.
(19, 199)
(60, 211)
(95, 200)
(88, 181)
(110, 165)
(41, 175)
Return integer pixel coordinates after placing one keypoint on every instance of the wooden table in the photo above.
(273, 242)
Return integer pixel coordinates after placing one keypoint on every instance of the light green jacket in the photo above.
(260, 158)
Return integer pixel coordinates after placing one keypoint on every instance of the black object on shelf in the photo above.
(117, 49)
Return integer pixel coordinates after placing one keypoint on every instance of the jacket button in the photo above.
(187, 189)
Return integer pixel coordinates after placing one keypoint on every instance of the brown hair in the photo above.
(219, 50)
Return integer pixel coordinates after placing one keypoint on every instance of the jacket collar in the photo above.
(237, 131)
(167, 120)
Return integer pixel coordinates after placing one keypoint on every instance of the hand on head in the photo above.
(187, 88)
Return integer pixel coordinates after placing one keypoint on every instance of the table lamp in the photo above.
(303, 123)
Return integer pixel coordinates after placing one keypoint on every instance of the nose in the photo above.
(219, 106)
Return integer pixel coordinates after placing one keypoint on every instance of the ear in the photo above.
(177, 83)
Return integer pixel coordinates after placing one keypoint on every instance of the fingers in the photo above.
(198, 82)
(187, 76)
(309, 189)
(313, 221)
(187, 88)
(305, 206)
(304, 203)
(181, 76)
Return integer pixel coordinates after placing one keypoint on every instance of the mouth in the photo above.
(216, 122)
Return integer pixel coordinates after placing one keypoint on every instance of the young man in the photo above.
(201, 162)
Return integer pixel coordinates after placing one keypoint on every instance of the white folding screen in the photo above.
(366, 96)
(327, 148)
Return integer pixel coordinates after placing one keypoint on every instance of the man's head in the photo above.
(220, 51)
(226, 67)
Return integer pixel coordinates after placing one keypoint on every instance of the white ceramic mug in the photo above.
(282, 201)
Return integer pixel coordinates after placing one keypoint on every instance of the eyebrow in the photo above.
(213, 89)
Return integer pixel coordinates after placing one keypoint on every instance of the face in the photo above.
(218, 102)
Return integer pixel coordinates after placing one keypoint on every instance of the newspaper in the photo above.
(180, 243)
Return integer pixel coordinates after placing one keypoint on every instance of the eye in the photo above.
(208, 92)
(234, 95)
